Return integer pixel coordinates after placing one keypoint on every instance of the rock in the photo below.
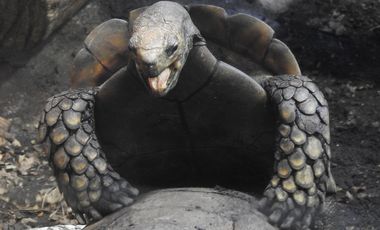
(54, 196)
(375, 124)
(362, 195)
(61, 227)
(3, 189)
(27, 221)
(26, 162)
(188, 208)
(120, 8)
(59, 11)
(16, 143)
(329, 92)
(26, 23)
(349, 196)
(4, 124)
(3, 142)
(275, 7)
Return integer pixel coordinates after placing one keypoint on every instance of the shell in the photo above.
(106, 47)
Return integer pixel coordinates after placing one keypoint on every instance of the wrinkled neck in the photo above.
(195, 75)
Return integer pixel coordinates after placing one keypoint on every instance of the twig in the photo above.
(53, 213)
(44, 198)
(373, 28)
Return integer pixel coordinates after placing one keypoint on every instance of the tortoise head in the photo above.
(161, 39)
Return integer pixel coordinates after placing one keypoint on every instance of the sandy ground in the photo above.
(339, 52)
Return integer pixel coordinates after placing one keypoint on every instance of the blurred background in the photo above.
(336, 42)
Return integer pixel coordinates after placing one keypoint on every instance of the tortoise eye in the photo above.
(171, 49)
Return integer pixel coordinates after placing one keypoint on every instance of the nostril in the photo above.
(149, 66)
(150, 69)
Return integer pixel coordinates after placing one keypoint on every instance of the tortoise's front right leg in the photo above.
(89, 184)
(302, 173)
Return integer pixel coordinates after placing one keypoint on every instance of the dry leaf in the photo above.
(26, 162)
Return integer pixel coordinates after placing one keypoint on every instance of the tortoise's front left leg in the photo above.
(302, 157)
(89, 184)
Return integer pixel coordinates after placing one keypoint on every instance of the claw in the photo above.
(132, 191)
(87, 218)
(290, 204)
(94, 214)
(263, 203)
(107, 206)
(279, 205)
(275, 217)
(128, 188)
(114, 187)
(322, 197)
(125, 200)
(115, 206)
(307, 218)
(124, 184)
(287, 223)
(80, 218)
(298, 225)
(269, 193)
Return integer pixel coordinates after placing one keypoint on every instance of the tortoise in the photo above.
(188, 208)
(158, 108)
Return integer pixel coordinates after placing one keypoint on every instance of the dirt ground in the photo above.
(337, 45)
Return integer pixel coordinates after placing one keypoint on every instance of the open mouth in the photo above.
(161, 83)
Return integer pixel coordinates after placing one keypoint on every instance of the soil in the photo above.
(336, 43)
(337, 37)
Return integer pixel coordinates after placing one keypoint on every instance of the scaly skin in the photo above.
(302, 173)
(302, 158)
(89, 184)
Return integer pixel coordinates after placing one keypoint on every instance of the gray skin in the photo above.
(206, 124)
(156, 49)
